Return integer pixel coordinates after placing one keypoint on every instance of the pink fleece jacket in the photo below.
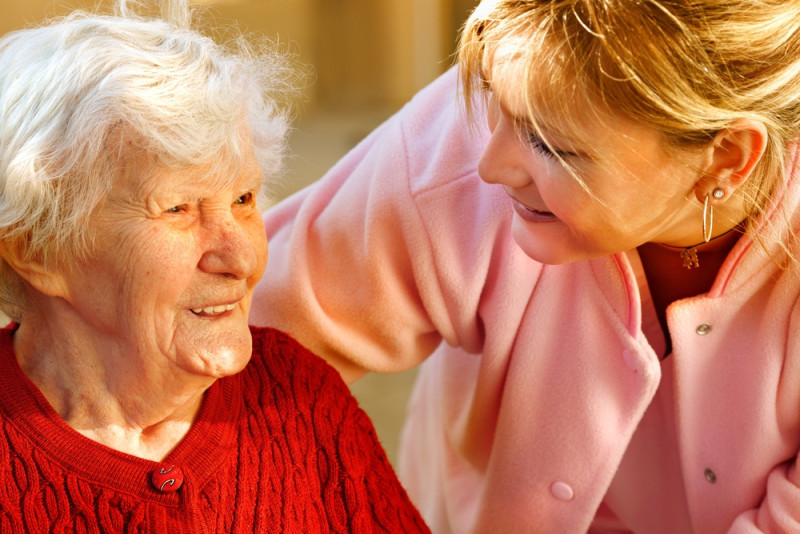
(541, 405)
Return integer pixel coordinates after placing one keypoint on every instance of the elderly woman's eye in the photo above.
(244, 199)
(176, 209)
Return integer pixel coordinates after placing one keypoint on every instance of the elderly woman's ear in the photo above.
(44, 279)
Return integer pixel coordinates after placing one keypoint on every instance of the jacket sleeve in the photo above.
(779, 512)
(354, 271)
(779, 509)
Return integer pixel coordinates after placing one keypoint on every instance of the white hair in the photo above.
(77, 90)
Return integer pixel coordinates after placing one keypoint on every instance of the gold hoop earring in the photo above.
(708, 214)
(689, 254)
(708, 220)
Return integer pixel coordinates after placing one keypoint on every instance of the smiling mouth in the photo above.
(532, 215)
(214, 310)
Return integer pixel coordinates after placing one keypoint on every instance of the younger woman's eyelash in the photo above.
(543, 148)
(538, 143)
(528, 134)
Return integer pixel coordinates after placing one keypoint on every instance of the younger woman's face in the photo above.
(636, 190)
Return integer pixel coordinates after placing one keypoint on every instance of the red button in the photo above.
(167, 478)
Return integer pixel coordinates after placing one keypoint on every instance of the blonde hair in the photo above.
(687, 68)
(77, 90)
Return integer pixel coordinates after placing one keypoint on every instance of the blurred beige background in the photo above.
(367, 58)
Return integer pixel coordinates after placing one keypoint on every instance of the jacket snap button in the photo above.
(710, 475)
(703, 329)
(562, 491)
(167, 478)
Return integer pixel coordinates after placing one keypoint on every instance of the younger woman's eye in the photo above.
(542, 147)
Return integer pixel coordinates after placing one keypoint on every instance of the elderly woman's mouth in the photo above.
(214, 310)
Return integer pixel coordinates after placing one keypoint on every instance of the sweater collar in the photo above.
(199, 455)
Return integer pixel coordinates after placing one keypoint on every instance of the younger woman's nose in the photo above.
(503, 160)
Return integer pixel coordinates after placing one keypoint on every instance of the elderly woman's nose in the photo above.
(229, 248)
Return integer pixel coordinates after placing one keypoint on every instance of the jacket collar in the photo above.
(776, 243)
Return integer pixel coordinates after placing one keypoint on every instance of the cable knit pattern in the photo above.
(280, 447)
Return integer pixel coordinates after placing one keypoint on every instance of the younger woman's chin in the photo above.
(545, 245)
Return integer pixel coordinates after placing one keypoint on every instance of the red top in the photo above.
(280, 447)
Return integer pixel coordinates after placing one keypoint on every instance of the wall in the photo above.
(374, 53)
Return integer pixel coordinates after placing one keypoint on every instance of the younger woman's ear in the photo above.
(47, 281)
(732, 157)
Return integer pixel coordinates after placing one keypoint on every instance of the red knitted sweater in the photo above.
(280, 447)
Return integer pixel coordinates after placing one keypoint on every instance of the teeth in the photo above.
(213, 310)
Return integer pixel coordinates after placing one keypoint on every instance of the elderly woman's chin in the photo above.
(214, 346)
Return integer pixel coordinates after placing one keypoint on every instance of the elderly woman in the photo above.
(133, 394)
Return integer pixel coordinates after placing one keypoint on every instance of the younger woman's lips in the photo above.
(532, 215)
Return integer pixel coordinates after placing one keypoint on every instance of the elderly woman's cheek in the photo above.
(255, 241)
(262, 250)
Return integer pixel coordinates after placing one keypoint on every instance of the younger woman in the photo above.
(609, 319)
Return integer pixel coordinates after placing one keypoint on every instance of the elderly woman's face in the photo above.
(178, 254)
